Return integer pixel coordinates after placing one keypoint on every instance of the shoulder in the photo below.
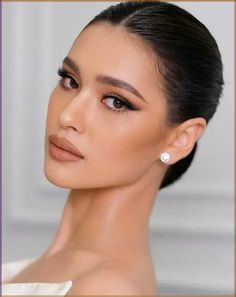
(105, 281)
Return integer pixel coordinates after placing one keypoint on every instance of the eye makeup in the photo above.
(73, 85)
(63, 74)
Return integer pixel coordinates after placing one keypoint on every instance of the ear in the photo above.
(183, 138)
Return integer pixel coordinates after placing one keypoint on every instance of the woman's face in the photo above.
(119, 142)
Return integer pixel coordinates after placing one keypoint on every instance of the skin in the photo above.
(103, 230)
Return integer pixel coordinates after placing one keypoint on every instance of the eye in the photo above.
(67, 81)
(117, 104)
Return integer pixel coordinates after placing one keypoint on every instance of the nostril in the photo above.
(72, 128)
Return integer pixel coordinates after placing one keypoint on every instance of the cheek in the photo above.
(142, 135)
(132, 143)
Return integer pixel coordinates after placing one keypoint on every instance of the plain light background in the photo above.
(191, 227)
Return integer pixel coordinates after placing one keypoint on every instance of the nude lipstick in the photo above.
(61, 149)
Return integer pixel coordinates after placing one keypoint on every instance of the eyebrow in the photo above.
(104, 79)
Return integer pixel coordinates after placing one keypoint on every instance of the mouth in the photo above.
(61, 149)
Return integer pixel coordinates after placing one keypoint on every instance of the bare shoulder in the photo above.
(105, 281)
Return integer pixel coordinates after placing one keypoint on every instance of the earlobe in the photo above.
(165, 157)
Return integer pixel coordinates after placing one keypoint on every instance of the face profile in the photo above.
(136, 90)
(110, 106)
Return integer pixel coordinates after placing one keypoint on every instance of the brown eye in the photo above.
(66, 80)
(116, 104)
(69, 82)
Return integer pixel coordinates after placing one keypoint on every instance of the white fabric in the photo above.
(10, 269)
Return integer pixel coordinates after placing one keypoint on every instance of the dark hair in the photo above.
(187, 57)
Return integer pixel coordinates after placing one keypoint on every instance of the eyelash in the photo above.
(128, 107)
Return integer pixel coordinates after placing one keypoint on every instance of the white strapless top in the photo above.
(11, 269)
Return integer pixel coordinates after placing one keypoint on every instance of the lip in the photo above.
(63, 150)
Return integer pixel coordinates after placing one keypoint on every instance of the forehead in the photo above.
(106, 49)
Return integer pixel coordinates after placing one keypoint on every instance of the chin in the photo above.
(60, 178)
(55, 175)
(63, 182)
(56, 179)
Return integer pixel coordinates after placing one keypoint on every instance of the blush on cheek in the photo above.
(124, 164)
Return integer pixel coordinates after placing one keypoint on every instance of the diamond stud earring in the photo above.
(165, 157)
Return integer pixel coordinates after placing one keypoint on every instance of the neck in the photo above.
(108, 221)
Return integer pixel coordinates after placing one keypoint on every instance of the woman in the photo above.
(137, 90)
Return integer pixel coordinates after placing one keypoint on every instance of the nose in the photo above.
(74, 115)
